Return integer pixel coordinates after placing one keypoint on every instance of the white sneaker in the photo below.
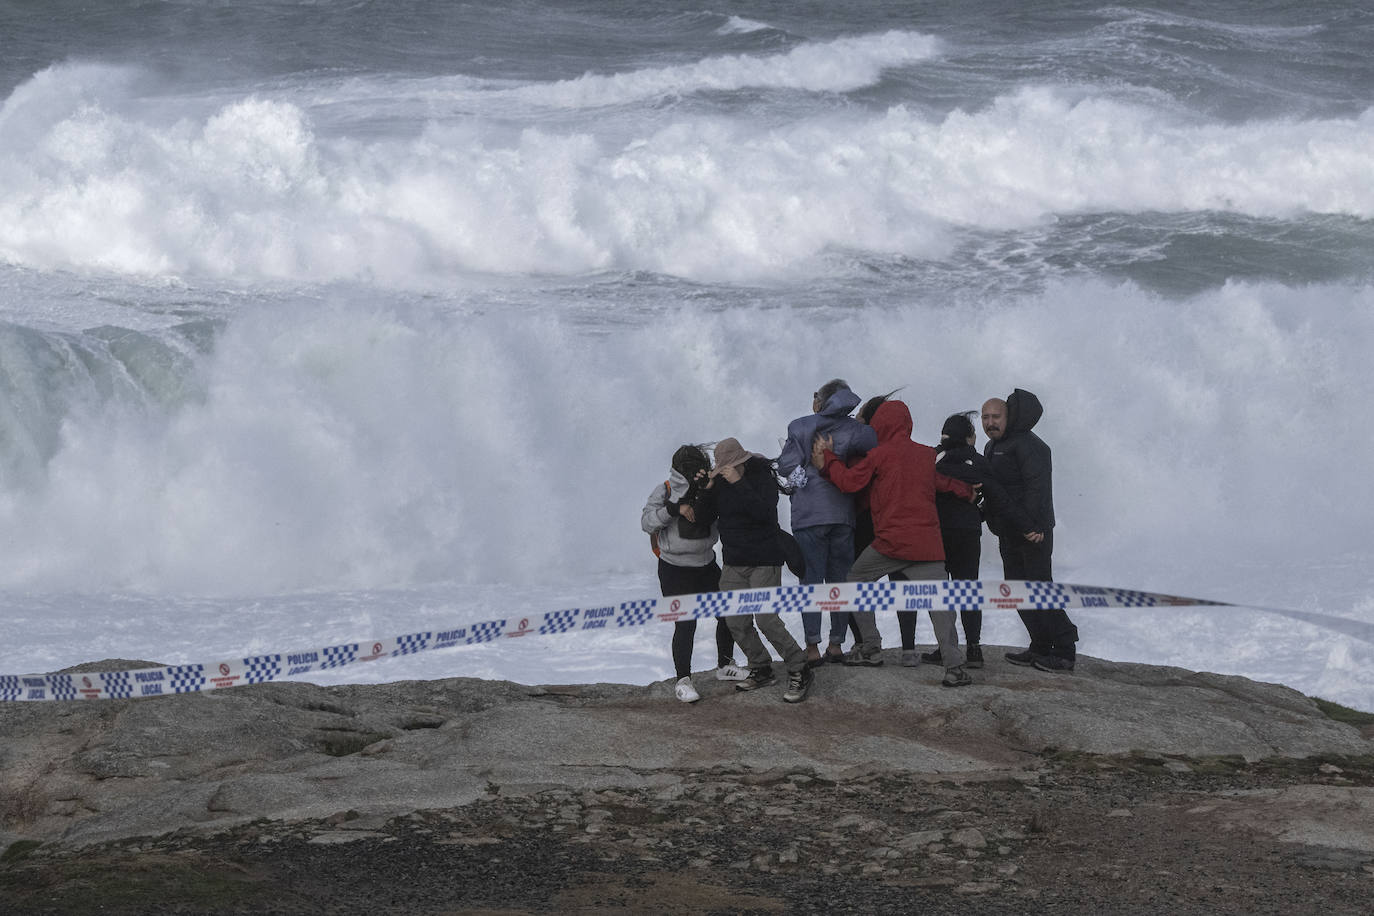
(731, 672)
(685, 691)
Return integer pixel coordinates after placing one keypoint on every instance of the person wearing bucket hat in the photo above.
(745, 495)
(681, 526)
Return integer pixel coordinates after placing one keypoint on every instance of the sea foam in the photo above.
(251, 190)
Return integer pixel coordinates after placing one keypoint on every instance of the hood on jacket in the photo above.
(841, 404)
(892, 421)
(1023, 411)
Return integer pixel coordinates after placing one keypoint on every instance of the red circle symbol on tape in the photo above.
(676, 605)
(223, 669)
(1005, 589)
(834, 594)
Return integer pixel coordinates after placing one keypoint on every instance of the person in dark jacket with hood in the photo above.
(822, 516)
(1021, 464)
(902, 482)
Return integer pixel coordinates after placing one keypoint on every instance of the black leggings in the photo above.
(689, 580)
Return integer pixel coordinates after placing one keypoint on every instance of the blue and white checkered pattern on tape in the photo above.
(713, 604)
(118, 684)
(411, 643)
(861, 596)
(875, 596)
(487, 631)
(187, 678)
(62, 687)
(262, 668)
(1045, 596)
(793, 598)
(634, 613)
(338, 656)
(962, 594)
(560, 621)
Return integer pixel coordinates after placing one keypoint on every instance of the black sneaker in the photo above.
(973, 657)
(798, 684)
(1053, 663)
(933, 658)
(1025, 658)
(758, 677)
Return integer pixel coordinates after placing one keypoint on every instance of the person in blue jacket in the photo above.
(823, 517)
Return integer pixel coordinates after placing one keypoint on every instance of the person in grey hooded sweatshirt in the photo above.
(822, 516)
(682, 531)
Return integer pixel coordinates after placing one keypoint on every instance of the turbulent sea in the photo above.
(328, 320)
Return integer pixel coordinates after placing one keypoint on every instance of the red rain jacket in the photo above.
(903, 483)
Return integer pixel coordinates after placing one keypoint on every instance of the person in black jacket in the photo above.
(1021, 464)
(961, 522)
(745, 495)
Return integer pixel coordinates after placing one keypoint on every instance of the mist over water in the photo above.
(424, 318)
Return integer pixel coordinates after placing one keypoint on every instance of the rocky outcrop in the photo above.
(84, 772)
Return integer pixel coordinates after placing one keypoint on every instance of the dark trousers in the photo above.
(689, 580)
(963, 550)
(1051, 632)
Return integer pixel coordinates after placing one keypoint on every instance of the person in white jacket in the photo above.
(682, 532)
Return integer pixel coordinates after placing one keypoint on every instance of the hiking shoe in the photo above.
(973, 657)
(1025, 658)
(956, 677)
(910, 658)
(731, 672)
(1053, 663)
(798, 684)
(685, 691)
(758, 677)
(864, 661)
(933, 658)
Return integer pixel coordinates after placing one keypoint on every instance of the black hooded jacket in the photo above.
(1021, 464)
(748, 517)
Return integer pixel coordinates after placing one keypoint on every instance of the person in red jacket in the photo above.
(902, 482)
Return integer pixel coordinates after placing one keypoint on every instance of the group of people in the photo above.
(866, 502)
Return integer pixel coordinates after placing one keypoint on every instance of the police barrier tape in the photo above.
(936, 595)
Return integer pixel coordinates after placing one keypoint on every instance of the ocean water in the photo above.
(328, 320)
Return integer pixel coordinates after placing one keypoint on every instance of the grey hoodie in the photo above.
(674, 548)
